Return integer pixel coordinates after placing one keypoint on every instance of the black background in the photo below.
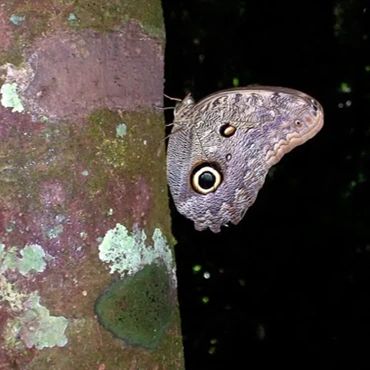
(290, 285)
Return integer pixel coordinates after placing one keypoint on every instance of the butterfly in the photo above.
(221, 148)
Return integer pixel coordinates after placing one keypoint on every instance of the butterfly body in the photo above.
(220, 149)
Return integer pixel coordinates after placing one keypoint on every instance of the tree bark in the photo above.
(87, 273)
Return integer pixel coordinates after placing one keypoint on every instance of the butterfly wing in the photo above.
(218, 160)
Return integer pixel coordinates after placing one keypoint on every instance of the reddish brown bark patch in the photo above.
(5, 31)
(78, 72)
(52, 193)
(134, 198)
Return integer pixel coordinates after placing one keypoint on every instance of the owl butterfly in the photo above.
(221, 148)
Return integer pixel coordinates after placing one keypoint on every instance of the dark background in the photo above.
(290, 285)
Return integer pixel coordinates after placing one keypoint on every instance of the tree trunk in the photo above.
(87, 274)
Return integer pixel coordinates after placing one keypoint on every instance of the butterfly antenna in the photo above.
(162, 108)
(171, 98)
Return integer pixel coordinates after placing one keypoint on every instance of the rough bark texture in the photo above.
(87, 275)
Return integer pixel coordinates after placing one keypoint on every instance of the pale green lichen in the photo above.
(33, 259)
(128, 253)
(53, 231)
(17, 19)
(83, 234)
(11, 296)
(10, 97)
(121, 130)
(16, 81)
(44, 119)
(33, 325)
(36, 328)
(72, 17)
(8, 259)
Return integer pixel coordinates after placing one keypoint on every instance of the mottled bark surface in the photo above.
(87, 275)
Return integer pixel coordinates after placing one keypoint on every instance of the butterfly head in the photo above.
(183, 107)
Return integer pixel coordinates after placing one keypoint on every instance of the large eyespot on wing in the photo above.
(205, 178)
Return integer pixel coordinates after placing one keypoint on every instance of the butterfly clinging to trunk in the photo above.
(221, 148)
